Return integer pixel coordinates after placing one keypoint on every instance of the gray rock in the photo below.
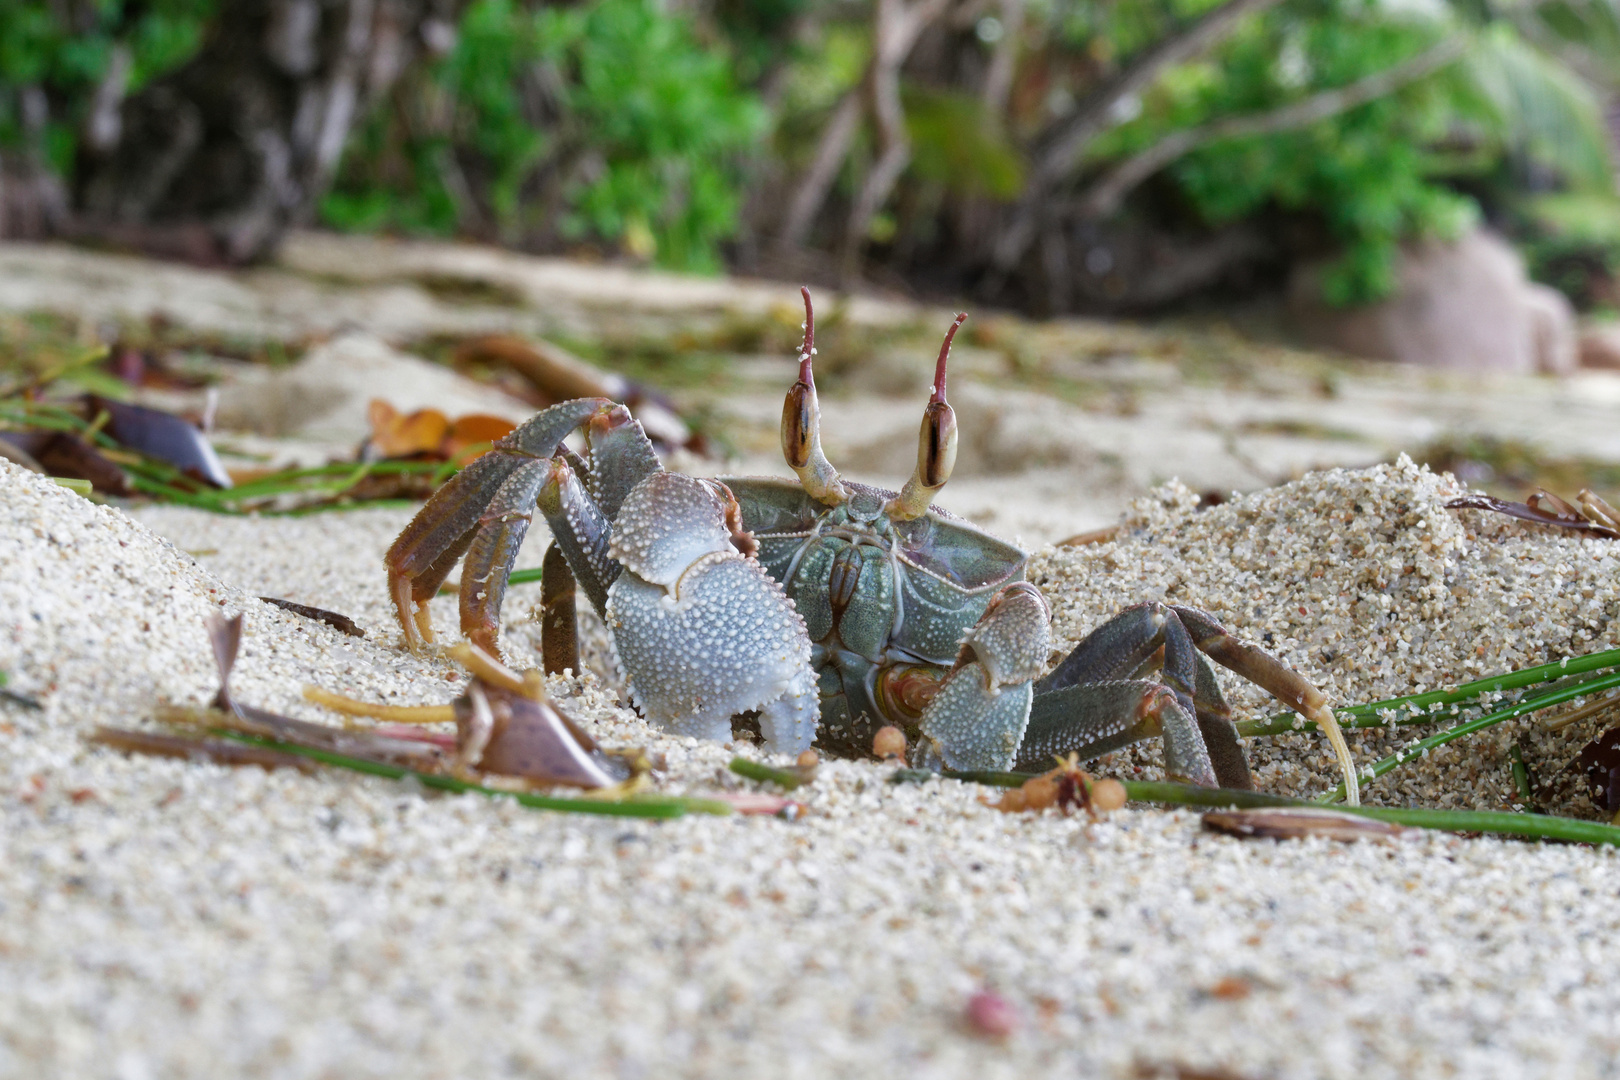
(1465, 305)
(1600, 346)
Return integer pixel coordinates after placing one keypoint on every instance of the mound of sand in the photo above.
(173, 919)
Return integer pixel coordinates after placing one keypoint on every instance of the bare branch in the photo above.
(1004, 60)
(1104, 196)
(836, 138)
(896, 27)
(1063, 149)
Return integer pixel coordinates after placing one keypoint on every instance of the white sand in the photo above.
(166, 919)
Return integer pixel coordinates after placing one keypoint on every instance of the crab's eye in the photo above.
(936, 445)
(798, 425)
(904, 690)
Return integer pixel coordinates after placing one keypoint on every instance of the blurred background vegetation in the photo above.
(1053, 155)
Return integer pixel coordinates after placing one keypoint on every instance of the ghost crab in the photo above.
(828, 608)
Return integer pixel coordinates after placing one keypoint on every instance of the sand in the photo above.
(167, 919)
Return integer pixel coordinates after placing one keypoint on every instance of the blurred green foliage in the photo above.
(610, 122)
(637, 127)
(1371, 174)
(63, 51)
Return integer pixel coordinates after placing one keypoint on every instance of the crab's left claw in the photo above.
(703, 632)
(976, 721)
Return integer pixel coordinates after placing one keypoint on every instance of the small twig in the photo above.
(341, 623)
(219, 751)
(754, 770)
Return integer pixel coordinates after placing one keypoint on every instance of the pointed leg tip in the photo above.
(1324, 719)
(485, 638)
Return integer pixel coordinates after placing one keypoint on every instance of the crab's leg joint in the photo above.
(936, 444)
(801, 425)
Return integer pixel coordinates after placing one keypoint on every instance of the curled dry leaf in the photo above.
(505, 728)
(428, 433)
(1298, 822)
(57, 453)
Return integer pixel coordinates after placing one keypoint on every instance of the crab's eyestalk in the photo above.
(936, 444)
(801, 425)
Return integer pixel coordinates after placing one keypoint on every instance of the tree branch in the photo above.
(1105, 195)
(836, 138)
(896, 26)
(1063, 149)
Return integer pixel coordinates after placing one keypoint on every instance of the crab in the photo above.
(825, 608)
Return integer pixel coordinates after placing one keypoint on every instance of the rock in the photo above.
(1600, 346)
(324, 396)
(1465, 305)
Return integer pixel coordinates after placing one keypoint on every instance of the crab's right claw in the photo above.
(977, 718)
(703, 631)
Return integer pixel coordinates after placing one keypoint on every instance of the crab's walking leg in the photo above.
(1220, 734)
(1286, 685)
(559, 630)
(801, 424)
(1092, 719)
(977, 718)
(580, 531)
(1201, 745)
(501, 529)
(425, 553)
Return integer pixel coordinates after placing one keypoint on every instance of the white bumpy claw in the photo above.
(976, 721)
(703, 632)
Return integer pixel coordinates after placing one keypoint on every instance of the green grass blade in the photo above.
(755, 770)
(1371, 715)
(639, 806)
(1495, 822)
(1527, 705)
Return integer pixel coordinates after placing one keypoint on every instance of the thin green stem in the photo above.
(754, 770)
(1372, 714)
(1528, 705)
(1497, 822)
(641, 806)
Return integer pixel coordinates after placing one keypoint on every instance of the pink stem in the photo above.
(944, 354)
(809, 347)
